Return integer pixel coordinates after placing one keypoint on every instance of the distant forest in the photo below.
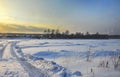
(56, 34)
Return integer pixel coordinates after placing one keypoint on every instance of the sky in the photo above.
(34, 16)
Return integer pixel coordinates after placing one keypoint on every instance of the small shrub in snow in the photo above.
(104, 64)
(116, 59)
(88, 54)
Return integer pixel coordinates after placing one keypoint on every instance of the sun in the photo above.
(4, 12)
(4, 15)
(10, 15)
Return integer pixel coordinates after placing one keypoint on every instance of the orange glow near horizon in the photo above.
(9, 27)
(9, 23)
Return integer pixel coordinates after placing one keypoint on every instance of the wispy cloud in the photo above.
(19, 28)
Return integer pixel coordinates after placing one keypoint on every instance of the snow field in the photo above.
(57, 58)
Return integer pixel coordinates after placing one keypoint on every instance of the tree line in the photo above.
(57, 34)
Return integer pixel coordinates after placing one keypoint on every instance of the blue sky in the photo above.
(75, 15)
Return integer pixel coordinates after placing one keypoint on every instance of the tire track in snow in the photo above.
(2, 51)
(32, 71)
(7, 53)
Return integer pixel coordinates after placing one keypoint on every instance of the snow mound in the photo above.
(50, 68)
(53, 69)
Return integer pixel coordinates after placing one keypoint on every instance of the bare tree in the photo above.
(45, 31)
(52, 31)
(57, 31)
(116, 59)
(48, 31)
(67, 32)
(87, 33)
(88, 54)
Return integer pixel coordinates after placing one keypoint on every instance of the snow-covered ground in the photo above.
(58, 58)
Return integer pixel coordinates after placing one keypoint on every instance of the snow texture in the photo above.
(58, 58)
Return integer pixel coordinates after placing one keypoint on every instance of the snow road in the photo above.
(9, 54)
(2, 50)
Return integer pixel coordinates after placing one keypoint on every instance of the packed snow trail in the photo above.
(32, 71)
(9, 53)
(2, 50)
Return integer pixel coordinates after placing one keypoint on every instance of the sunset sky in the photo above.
(75, 15)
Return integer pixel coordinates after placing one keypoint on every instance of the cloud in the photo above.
(19, 28)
